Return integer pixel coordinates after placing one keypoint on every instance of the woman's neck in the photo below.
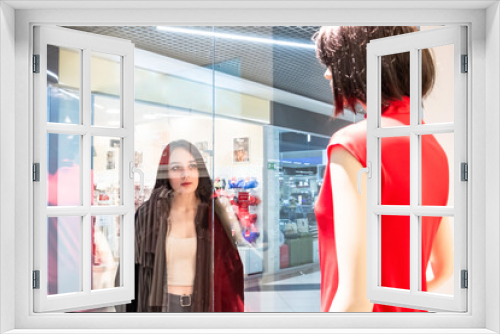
(184, 201)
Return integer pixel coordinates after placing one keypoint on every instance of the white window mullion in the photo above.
(432, 129)
(414, 169)
(397, 131)
(404, 210)
(67, 129)
(108, 132)
(128, 197)
(86, 108)
(460, 142)
(39, 156)
(75, 129)
(373, 146)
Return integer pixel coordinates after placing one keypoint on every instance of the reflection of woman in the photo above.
(342, 231)
(175, 233)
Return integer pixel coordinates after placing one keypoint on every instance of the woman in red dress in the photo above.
(341, 210)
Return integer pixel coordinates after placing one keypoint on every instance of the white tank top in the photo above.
(181, 261)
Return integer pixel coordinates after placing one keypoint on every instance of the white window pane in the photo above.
(438, 103)
(437, 244)
(106, 168)
(395, 169)
(437, 172)
(105, 251)
(63, 85)
(105, 80)
(63, 170)
(63, 254)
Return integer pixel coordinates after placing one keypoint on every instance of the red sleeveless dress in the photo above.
(395, 182)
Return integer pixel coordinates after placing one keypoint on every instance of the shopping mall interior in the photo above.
(254, 102)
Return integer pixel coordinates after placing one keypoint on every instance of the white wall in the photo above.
(281, 16)
(7, 170)
(492, 276)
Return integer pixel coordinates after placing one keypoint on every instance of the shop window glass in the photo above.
(254, 103)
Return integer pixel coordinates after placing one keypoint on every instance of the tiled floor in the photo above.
(300, 293)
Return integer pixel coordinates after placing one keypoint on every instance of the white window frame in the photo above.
(483, 101)
(86, 44)
(414, 43)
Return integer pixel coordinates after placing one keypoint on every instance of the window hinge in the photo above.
(464, 167)
(465, 279)
(36, 172)
(465, 64)
(36, 279)
(36, 63)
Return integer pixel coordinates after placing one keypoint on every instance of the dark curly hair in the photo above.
(343, 50)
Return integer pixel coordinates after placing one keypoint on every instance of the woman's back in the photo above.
(395, 184)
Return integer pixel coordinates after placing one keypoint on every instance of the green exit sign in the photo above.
(272, 165)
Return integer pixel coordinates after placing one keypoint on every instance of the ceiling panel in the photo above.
(291, 69)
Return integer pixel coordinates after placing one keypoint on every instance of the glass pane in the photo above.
(268, 174)
(63, 254)
(105, 251)
(105, 80)
(437, 172)
(395, 251)
(63, 85)
(438, 95)
(395, 170)
(437, 254)
(63, 170)
(395, 112)
(106, 170)
(174, 131)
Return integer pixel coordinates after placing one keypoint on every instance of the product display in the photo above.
(297, 219)
(243, 203)
(243, 183)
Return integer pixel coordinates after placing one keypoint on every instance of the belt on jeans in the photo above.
(184, 300)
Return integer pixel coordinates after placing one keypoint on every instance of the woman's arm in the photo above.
(350, 233)
(228, 218)
(441, 256)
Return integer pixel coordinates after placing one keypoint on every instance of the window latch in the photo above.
(367, 170)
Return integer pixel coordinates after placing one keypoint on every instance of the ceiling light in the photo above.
(235, 37)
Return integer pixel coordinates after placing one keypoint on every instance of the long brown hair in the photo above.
(205, 187)
(204, 190)
(343, 50)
